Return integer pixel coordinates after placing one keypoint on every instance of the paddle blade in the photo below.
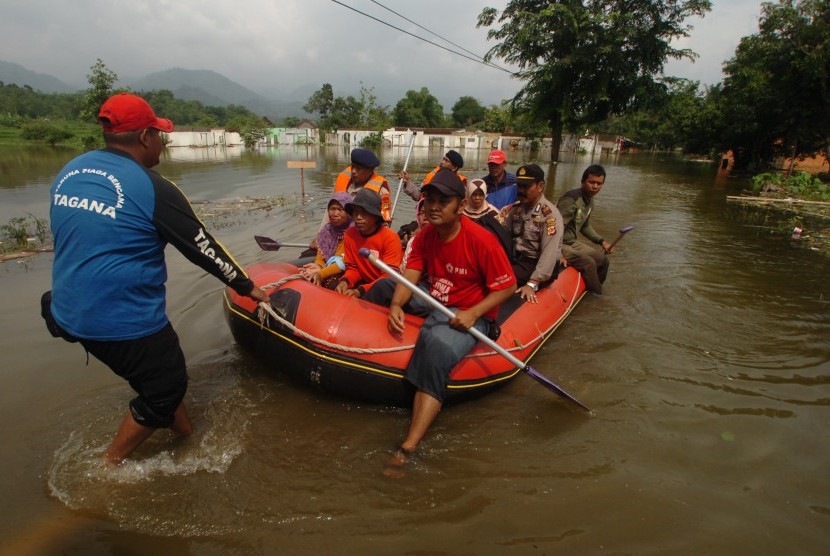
(267, 244)
(550, 385)
(626, 229)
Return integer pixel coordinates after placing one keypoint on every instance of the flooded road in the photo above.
(707, 365)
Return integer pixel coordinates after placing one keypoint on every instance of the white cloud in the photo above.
(282, 45)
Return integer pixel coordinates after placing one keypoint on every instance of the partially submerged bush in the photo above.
(802, 185)
(18, 232)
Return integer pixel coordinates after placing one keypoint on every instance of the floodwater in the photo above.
(707, 366)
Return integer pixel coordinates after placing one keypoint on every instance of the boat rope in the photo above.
(265, 310)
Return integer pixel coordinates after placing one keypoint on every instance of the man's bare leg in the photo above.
(425, 409)
(181, 421)
(130, 435)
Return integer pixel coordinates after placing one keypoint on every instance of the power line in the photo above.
(477, 60)
(433, 33)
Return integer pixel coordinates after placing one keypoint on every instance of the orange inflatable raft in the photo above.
(341, 344)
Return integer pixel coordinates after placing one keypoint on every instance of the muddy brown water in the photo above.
(707, 364)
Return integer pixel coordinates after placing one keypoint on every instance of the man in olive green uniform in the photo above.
(576, 207)
(536, 227)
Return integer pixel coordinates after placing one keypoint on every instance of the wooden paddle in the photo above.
(267, 244)
(435, 304)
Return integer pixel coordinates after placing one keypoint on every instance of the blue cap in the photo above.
(365, 158)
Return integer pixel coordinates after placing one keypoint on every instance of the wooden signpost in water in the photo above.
(302, 165)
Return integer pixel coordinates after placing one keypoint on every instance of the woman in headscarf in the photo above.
(486, 214)
(329, 265)
(477, 205)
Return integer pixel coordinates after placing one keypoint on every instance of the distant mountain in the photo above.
(214, 89)
(17, 74)
(208, 87)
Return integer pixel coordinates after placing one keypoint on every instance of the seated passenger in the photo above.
(480, 210)
(501, 184)
(536, 226)
(576, 207)
(328, 266)
(464, 273)
(452, 160)
(370, 232)
(477, 204)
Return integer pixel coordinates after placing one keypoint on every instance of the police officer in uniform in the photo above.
(536, 226)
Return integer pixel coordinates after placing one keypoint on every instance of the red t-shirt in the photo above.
(465, 269)
(361, 272)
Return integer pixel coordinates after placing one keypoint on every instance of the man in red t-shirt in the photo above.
(465, 271)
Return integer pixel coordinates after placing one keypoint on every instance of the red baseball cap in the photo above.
(497, 157)
(126, 112)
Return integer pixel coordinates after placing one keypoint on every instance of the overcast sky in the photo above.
(277, 46)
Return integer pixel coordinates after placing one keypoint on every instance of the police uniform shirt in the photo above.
(537, 234)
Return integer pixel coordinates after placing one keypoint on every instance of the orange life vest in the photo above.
(431, 175)
(376, 183)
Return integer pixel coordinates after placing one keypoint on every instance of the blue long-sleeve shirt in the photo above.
(111, 220)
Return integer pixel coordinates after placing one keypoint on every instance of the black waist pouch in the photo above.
(51, 325)
(494, 330)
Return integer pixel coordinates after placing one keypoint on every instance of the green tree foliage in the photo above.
(46, 132)
(372, 114)
(101, 80)
(192, 112)
(467, 111)
(583, 61)
(337, 112)
(21, 103)
(498, 118)
(777, 89)
(252, 129)
(418, 109)
(676, 115)
(321, 102)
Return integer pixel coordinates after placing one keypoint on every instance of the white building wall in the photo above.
(203, 138)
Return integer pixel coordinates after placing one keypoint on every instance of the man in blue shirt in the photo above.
(501, 184)
(112, 217)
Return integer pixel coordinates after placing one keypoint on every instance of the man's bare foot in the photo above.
(110, 462)
(394, 467)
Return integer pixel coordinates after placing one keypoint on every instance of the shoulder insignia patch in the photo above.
(550, 225)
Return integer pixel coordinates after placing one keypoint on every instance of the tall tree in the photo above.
(585, 60)
(373, 115)
(101, 81)
(418, 109)
(321, 102)
(467, 111)
(777, 87)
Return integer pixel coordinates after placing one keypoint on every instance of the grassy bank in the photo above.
(53, 132)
